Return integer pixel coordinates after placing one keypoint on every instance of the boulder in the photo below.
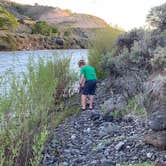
(157, 139)
(60, 41)
(155, 102)
(155, 90)
(4, 47)
(117, 102)
(158, 122)
(155, 105)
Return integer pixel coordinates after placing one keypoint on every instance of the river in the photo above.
(18, 61)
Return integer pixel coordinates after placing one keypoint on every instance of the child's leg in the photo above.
(83, 101)
(91, 101)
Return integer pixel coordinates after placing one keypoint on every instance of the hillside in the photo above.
(60, 28)
(54, 15)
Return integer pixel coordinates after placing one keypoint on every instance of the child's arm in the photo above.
(82, 80)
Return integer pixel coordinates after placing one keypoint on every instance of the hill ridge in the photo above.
(54, 15)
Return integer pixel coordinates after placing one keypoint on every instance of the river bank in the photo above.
(93, 139)
(29, 92)
(20, 42)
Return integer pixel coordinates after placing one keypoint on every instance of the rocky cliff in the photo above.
(74, 30)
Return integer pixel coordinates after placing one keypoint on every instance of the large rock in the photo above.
(156, 139)
(155, 90)
(158, 122)
(155, 102)
(4, 47)
(117, 102)
(60, 41)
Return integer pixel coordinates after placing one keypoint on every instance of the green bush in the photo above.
(100, 46)
(68, 32)
(7, 20)
(148, 40)
(41, 27)
(137, 59)
(132, 107)
(27, 109)
(116, 65)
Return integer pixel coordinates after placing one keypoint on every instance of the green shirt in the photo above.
(88, 72)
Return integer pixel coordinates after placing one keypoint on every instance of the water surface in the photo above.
(18, 61)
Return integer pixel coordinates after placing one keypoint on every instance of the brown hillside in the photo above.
(54, 15)
(64, 18)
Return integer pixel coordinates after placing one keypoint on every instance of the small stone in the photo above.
(128, 147)
(119, 146)
(135, 158)
(88, 130)
(100, 147)
(108, 163)
(149, 155)
(108, 118)
(128, 118)
(94, 115)
(73, 136)
(65, 164)
(94, 162)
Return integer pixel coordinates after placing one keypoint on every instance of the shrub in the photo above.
(41, 27)
(157, 17)
(133, 108)
(100, 46)
(115, 65)
(26, 110)
(159, 60)
(7, 20)
(135, 60)
(68, 32)
(64, 77)
(127, 40)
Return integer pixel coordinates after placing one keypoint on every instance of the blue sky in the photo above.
(124, 13)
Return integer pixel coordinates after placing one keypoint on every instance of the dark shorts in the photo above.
(89, 88)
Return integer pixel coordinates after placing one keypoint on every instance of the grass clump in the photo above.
(134, 108)
(68, 32)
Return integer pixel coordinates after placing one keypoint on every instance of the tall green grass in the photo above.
(26, 107)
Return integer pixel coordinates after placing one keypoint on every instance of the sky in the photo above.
(126, 14)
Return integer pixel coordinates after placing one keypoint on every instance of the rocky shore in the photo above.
(93, 138)
(127, 126)
(22, 42)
